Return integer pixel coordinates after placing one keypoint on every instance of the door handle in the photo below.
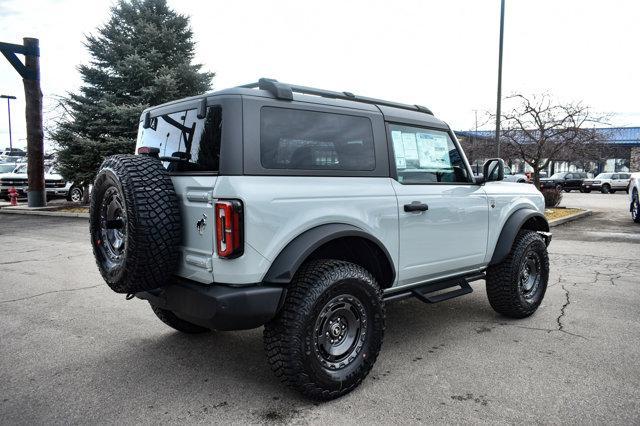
(416, 206)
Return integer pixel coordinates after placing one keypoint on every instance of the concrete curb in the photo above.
(570, 218)
(43, 213)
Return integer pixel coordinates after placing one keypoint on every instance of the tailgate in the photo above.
(195, 194)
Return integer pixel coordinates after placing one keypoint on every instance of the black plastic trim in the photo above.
(421, 291)
(511, 228)
(217, 306)
(296, 252)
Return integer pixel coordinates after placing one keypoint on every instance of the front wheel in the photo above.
(328, 334)
(516, 286)
(606, 189)
(75, 194)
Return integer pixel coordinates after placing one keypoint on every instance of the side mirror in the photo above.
(493, 170)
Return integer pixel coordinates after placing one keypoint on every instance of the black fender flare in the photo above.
(285, 265)
(511, 228)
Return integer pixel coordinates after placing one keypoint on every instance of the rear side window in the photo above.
(187, 143)
(311, 140)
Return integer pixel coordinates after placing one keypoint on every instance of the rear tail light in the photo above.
(229, 232)
(149, 150)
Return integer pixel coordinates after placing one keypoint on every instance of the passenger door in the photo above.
(443, 215)
(622, 181)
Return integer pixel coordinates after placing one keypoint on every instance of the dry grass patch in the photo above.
(558, 213)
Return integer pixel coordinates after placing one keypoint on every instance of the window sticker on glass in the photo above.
(410, 146)
(398, 148)
(433, 151)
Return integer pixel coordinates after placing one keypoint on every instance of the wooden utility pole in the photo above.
(30, 73)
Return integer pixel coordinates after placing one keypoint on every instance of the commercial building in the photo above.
(621, 152)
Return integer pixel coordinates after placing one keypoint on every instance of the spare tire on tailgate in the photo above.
(134, 223)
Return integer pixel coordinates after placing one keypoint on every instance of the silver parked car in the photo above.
(607, 183)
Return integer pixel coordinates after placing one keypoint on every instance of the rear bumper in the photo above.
(218, 307)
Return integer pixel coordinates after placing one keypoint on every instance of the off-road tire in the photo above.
(291, 338)
(635, 207)
(144, 254)
(179, 324)
(504, 287)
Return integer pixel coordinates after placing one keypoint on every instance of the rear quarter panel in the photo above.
(279, 208)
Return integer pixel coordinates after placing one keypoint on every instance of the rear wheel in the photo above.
(328, 334)
(179, 324)
(516, 286)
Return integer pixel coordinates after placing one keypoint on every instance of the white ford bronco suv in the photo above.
(306, 211)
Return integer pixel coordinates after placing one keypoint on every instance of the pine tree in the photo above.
(142, 56)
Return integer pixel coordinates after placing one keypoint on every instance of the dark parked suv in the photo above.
(564, 181)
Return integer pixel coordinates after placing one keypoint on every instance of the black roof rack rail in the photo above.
(285, 91)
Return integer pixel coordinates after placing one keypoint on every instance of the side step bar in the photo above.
(423, 292)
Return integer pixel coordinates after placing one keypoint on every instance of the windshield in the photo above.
(604, 176)
(7, 168)
(558, 175)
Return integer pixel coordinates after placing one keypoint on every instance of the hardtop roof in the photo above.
(390, 113)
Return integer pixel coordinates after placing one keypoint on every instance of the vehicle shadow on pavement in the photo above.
(222, 368)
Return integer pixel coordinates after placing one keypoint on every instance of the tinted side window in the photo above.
(193, 143)
(426, 156)
(310, 140)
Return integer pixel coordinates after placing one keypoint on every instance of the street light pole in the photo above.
(8, 98)
(499, 76)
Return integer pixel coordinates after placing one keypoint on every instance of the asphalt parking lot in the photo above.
(71, 351)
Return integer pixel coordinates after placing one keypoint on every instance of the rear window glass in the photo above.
(310, 140)
(187, 143)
